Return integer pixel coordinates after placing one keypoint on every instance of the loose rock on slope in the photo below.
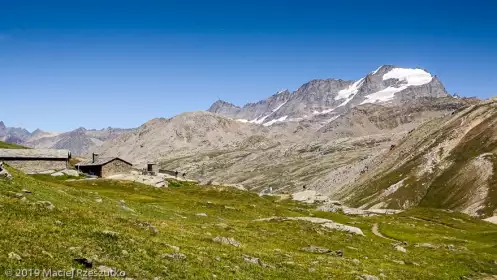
(322, 222)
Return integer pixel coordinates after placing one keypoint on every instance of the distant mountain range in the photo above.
(80, 141)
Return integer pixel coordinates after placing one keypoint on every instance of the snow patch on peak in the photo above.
(351, 90)
(261, 120)
(383, 95)
(323, 112)
(282, 119)
(349, 93)
(410, 77)
(413, 77)
(376, 71)
(277, 108)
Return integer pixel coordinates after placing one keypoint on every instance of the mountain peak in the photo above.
(37, 131)
(388, 85)
(80, 129)
(2, 125)
(224, 108)
(282, 91)
(383, 69)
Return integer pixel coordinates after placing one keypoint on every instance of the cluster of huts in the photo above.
(40, 160)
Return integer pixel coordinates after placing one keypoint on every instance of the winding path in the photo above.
(376, 232)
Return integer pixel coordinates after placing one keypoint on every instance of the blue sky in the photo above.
(67, 64)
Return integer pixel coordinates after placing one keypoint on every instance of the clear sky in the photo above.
(66, 64)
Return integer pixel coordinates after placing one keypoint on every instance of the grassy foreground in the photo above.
(145, 235)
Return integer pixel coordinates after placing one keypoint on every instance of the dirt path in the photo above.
(376, 232)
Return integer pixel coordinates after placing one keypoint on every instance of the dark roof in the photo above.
(35, 153)
(100, 161)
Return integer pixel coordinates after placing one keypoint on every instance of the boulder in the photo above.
(174, 256)
(253, 260)
(70, 172)
(425, 245)
(400, 249)
(125, 207)
(110, 233)
(175, 248)
(45, 204)
(4, 173)
(326, 223)
(316, 249)
(368, 277)
(57, 174)
(226, 240)
(14, 256)
(105, 269)
(46, 172)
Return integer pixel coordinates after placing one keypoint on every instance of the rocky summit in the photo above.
(388, 85)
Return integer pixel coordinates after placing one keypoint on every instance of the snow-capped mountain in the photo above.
(388, 85)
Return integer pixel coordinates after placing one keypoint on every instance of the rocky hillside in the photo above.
(449, 163)
(185, 134)
(388, 85)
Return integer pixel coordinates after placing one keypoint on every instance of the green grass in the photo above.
(87, 208)
(4, 145)
(50, 178)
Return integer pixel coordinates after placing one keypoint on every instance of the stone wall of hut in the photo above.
(115, 167)
(34, 166)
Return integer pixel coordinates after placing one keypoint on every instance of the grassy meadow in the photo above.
(154, 233)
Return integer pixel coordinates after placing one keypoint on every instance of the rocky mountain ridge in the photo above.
(388, 85)
(14, 135)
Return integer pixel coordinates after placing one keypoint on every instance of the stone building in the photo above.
(152, 168)
(35, 160)
(104, 166)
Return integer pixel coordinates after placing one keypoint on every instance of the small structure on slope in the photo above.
(35, 160)
(104, 166)
(152, 168)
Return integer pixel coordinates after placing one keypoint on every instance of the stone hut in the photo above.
(152, 168)
(104, 166)
(35, 160)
